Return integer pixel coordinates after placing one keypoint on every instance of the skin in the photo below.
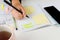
(15, 13)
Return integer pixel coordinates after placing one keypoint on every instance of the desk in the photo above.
(48, 33)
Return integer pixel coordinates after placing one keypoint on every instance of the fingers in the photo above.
(16, 14)
(20, 7)
(23, 10)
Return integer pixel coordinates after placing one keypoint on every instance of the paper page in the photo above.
(40, 19)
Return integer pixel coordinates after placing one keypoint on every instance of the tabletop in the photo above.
(45, 33)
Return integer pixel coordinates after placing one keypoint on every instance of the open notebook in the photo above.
(37, 18)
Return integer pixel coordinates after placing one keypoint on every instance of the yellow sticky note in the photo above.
(29, 9)
(40, 19)
(2, 6)
(29, 25)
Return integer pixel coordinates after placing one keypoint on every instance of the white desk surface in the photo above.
(48, 33)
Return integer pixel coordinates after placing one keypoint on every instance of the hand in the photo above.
(15, 13)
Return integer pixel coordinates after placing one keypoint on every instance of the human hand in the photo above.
(15, 13)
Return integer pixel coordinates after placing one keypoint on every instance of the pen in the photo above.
(15, 23)
(14, 7)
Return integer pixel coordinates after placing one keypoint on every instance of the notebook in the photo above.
(37, 18)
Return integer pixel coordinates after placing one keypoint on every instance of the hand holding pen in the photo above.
(15, 11)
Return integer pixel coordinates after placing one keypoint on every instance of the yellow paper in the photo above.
(2, 6)
(40, 19)
(29, 9)
(29, 25)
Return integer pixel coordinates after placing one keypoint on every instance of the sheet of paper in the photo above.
(40, 19)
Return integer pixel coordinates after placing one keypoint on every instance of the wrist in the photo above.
(15, 2)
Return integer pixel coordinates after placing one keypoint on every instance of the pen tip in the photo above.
(16, 28)
(27, 16)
